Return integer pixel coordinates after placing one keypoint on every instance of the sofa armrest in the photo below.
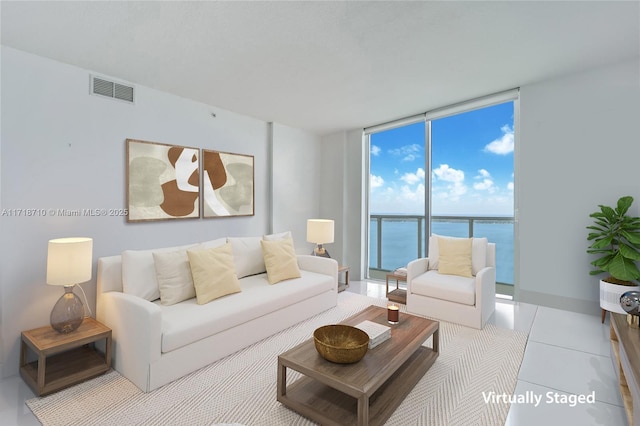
(486, 291)
(321, 265)
(136, 325)
(415, 268)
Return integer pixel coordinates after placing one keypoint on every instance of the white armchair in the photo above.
(467, 300)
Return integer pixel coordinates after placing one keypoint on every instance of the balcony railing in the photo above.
(397, 239)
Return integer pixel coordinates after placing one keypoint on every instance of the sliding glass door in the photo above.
(472, 172)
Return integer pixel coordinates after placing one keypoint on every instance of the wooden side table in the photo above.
(343, 286)
(398, 295)
(64, 359)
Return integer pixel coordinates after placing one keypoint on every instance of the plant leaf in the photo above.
(623, 269)
(623, 204)
(602, 243)
(629, 252)
(608, 212)
(632, 237)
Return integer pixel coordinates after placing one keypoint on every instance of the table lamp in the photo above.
(69, 262)
(320, 231)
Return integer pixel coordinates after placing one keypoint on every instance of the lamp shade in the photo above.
(320, 231)
(69, 261)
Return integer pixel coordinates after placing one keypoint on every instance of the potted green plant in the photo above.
(615, 239)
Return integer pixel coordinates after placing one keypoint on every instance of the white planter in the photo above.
(610, 296)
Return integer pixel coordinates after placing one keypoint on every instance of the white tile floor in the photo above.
(567, 354)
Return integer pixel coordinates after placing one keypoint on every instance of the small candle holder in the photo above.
(393, 314)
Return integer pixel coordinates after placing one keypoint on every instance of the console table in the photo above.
(625, 348)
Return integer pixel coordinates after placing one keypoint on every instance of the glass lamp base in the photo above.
(320, 251)
(67, 313)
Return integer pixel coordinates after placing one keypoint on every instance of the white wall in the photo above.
(579, 147)
(65, 149)
(296, 182)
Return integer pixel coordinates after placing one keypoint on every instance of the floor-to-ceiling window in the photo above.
(448, 172)
(397, 196)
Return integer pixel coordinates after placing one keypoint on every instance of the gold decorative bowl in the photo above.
(340, 343)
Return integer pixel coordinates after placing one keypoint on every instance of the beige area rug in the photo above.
(241, 388)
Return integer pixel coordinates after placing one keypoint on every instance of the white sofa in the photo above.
(154, 344)
(469, 301)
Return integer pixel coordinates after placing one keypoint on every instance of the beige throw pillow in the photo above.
(174, 277)
(280, 259)
(454, 256)
(214, 274)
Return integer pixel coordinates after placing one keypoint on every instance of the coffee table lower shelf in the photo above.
(327, 406)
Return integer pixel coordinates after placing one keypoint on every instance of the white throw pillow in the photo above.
(174, 277)
(139, 272)
(247, 256)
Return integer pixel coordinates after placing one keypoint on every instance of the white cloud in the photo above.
(375, 150)
(510, 186)
(455, 186)
(415, 195)
(413, 178)
(503, 145)
(407, 152)
(375, 181)
(483, 174)
(485, 185)
(447, 174)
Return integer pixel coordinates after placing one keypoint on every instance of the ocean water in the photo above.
(400, 242)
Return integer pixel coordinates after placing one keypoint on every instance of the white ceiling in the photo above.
(327, 66)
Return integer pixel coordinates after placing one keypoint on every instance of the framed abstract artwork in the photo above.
(163, 181)
(227, 184)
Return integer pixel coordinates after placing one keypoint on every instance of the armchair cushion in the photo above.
(478, 253)
(453, 288)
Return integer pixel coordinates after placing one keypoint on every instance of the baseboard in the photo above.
(591, 307)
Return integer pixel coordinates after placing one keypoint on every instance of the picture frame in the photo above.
(228, 188)
(163, 181)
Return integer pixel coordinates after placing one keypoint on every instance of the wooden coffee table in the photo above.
(366, 392)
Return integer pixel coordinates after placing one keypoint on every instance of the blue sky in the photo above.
(472, 165)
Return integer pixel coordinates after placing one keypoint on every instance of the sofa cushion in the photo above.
(280, 259)
(247, 255)
(453, 288)
(173, 273)
(278, 236)
(454, 256)
(139, 272)
(478, 253)
(214, 243)
(187, 322)
(213, 273)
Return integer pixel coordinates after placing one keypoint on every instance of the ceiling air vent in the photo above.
(111, 89)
